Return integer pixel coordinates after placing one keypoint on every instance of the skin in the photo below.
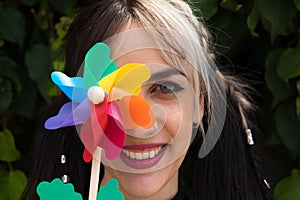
(176, 131)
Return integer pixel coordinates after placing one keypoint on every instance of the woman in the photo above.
(191, 100)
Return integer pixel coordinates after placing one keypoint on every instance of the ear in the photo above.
(198, 110)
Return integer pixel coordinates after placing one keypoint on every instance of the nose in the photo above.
(136, 111)
(158, 121)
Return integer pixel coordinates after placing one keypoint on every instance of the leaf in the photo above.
(38, 62)
(62, 6)
(12, 185)
(253, 19)
(298, 106)
(279, 13)
(229, 41)
(288, 188)
(6, 95)
(24, 103)
(289, 64)
(12, 26)
(208, 8)
(280, 162)
(8, 151)
(59, 63)
(288, 127)
(9, 69)
(231, 5)
(297, 3)
(277, 86)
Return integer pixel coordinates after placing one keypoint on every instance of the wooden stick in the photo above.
(95, 173)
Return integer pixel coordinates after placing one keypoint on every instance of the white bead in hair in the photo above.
(65, 178)
(63, 159)
(267, 184)
(249, 137)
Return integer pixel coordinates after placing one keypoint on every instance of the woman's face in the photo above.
(148, 166)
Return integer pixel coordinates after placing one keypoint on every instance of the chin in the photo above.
(158, 184)
(142, 185)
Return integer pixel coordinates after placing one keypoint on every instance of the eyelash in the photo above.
(166, 87)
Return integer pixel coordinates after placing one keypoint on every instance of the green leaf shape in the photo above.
(6, 94)
(12, 26)
(62, 6)
(229, 40)
(289, 64)
(279, 13)
(8, 68)
(231, 5)
(253, 19)
(24, 102)
(110, 191)
(12, 185)
(38, 62)
(298, 107)
(297, 3)
(8, 150)
(277, 86)
(280, 163)
(59, 63)
(61, 30)
(288, 188)
(208, 8)
(57, 190)
(287, 126)
(97, 64)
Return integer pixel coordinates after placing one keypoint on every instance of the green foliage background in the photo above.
(257, 36)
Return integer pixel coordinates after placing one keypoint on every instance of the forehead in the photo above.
(145, 46)
(150, 57)
(142, 56)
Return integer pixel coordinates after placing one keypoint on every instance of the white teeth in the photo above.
(141, 155)
(132, 155)
(138, 156)
(145, 155)
(152, 154)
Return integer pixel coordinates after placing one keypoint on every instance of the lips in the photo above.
(144, 155)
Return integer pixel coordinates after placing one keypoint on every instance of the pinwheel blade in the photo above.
(135, 112)
(129, 78)
(72, 87)
(113, 140)
(97, 64)
(69, 114)
(93, 130)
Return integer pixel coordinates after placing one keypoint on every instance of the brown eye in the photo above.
(166, 87)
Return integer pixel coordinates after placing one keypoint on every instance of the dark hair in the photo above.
(232, 169)
(229, 171)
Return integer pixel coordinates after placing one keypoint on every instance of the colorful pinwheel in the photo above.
(105, 101)
(104, 115)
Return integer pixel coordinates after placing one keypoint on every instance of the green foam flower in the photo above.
(110, 191)
(57, 190)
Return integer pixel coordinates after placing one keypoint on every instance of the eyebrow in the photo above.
(165, 73)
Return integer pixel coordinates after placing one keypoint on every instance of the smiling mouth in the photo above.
(143, 156)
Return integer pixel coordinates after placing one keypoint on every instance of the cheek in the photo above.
(178, 117)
